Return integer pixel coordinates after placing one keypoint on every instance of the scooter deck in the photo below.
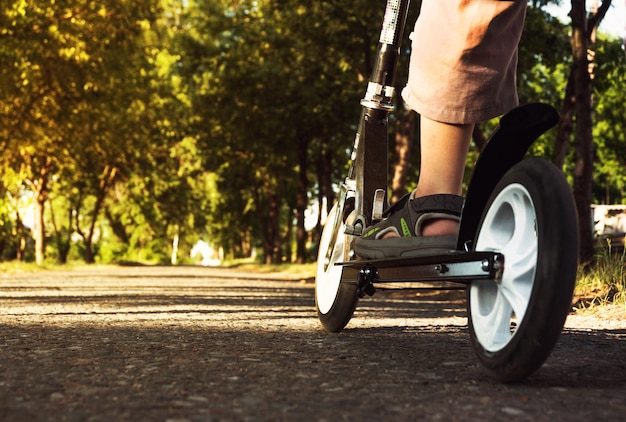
(455, 266)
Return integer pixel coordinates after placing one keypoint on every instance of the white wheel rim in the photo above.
(328, 274)
(497, 309)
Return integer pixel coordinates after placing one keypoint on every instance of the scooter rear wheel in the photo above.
(530, 218)
(335, 301)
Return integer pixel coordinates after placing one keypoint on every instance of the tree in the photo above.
(40, 74)
(609, 133)
(65, 67)
(275, 85)
(143, 126)
(580, 84)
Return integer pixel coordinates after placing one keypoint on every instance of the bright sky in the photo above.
(614, 22)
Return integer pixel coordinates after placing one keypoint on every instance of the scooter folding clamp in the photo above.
(378, 206)
(357, 227)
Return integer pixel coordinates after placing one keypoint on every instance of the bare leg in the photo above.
(443, 155)
(444, 149)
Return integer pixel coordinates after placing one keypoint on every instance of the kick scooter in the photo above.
(517, 246)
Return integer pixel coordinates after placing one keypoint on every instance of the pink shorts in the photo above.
(464, 59)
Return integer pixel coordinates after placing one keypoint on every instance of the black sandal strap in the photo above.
(403, 216)
(441, 203)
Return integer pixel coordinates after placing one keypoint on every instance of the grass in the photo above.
(603, 284)
(28, 267)
(304, 270)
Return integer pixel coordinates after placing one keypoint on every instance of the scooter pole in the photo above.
(369, 157)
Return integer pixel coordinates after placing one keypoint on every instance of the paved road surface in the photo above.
(198, 344)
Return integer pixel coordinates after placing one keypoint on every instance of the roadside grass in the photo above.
(302, 270)
(29, 267)
(604, 284)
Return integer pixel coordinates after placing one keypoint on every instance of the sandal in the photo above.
(406, 218)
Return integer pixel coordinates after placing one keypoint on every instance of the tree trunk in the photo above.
(89, 255)
(117, 227)
(325, 195)
(286, 250)
(108, 176)
(39, 232)
(301, 199)
(41, 196)
(583, 28)
(21, 237)
(403, 140)
(62, 237)
(175, 242)
(270, 227)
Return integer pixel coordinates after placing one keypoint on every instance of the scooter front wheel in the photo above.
(335, 301)
(515, 322)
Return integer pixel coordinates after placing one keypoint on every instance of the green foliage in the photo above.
(8, 239)
(286, 79)
(137, 122)
(608, 132)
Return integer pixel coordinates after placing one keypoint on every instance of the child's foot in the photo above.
(413, 227)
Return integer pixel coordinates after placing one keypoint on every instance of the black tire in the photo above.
(531, 219)
(335, 301)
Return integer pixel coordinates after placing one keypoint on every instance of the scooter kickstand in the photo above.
(365, 281)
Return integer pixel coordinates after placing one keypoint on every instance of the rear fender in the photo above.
(507, 145)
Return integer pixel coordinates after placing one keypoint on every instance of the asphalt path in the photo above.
(201, 344)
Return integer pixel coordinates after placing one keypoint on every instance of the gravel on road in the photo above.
(199, 344)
